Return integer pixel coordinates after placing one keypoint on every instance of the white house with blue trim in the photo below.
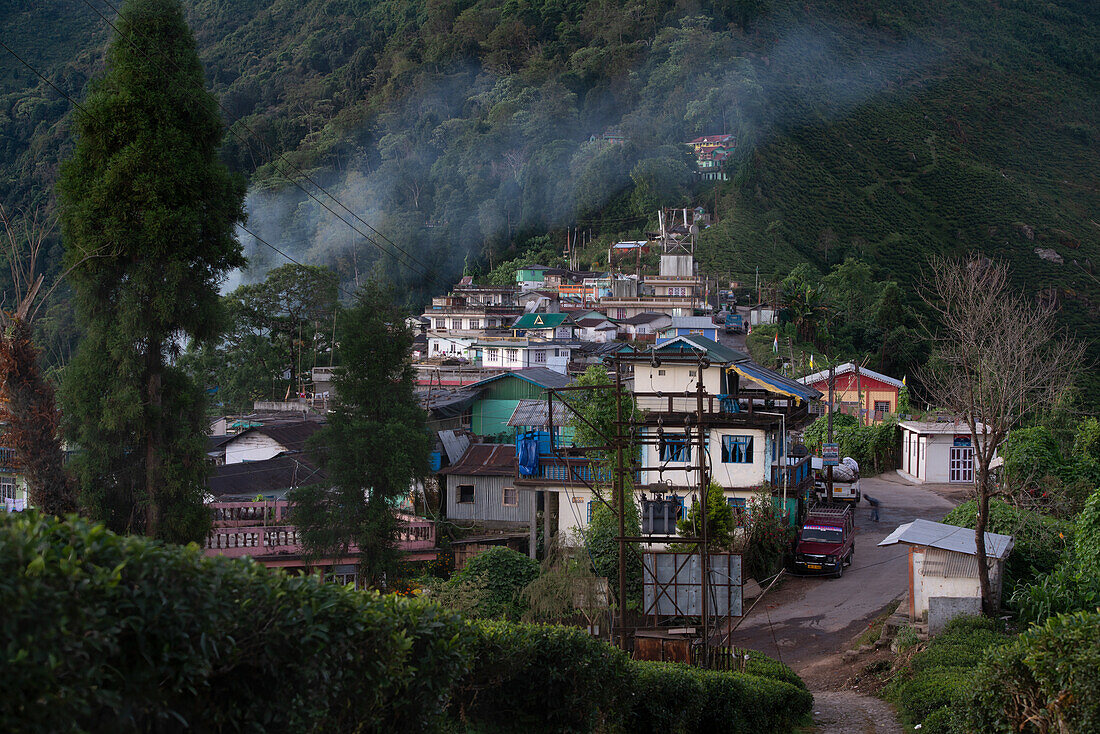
(749, 409)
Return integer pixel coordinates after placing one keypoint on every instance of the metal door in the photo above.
(962, 464)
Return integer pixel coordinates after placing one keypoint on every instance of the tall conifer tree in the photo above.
(375, 443)
(145, 196)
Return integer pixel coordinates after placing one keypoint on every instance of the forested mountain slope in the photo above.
(885, 129)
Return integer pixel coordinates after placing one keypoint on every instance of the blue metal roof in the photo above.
(772, 380)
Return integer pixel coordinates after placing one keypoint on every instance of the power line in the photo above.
(280, 156)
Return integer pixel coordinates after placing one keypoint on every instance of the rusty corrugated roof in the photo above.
(485, 460)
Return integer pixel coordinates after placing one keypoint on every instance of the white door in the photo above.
(962, 464)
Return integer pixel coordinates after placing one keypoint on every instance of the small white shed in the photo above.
(937, 452)
(943, 569)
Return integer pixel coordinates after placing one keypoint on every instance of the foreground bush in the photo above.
(1047, 680)
(1074, 585)
(1039, 540)
(538, 678)
(101, 632)
(678, 699)
(110, 633)
(939, 677)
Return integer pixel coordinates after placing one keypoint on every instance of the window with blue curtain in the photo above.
(738, 505)
(736, 449)
(675, 447)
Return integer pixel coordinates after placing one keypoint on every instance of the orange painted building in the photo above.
(873, 394)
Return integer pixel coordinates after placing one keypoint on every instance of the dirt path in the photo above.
(848, 712)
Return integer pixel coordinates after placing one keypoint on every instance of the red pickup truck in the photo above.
(825, 542)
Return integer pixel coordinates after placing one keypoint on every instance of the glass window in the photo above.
(466, 493)
(475, 324)
(738, 505)
(441, 323)
(540, 357)
(511, 497)
(882, 406)
(737, 449)
(822, 534)
(513, 355)
(675, 447)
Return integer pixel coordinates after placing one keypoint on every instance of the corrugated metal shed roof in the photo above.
(771, 379)
(692, 322)
(949, 537)
(454, 444)
(647, 317)
(717, 353)
(951, 427)
(485, 460)
(845, 369)
(271, 476)
(539, 376)
(533, 413)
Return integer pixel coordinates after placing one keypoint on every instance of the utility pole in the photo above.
(859, 396)
(829, 469)
(704, 486)
(620, 496)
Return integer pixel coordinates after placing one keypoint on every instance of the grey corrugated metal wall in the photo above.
(488, 502)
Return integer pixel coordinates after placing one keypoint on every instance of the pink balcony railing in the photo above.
(263, 529)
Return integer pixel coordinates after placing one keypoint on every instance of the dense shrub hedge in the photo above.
(538, 678)
(678, 699)
(1046, 680)
(931, 690)
(1039, 540)
(1074, 585)
(101, 632)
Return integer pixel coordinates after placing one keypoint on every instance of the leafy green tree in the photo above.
(374, 446)
(279, 330)
(145, 196)
(721, 523)
(599, 410)
(495, 579)
(599, 541)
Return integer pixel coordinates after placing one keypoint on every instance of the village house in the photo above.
(869, 395)
(750, 411)
(481, 492)
(521, 354)
(643, 327)
(937, 452)
(13, 485)
(500, 395)
(597, 329)
(266, 441)
(711, 153)
(457, 320)
(676, 289)
(545, 326)
(252, 517)
(687, 325)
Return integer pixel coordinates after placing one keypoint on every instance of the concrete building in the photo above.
(937, 452)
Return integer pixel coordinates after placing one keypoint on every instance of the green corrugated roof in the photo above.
(540, 321)
(715, 352)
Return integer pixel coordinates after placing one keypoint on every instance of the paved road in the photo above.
(808, 619)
